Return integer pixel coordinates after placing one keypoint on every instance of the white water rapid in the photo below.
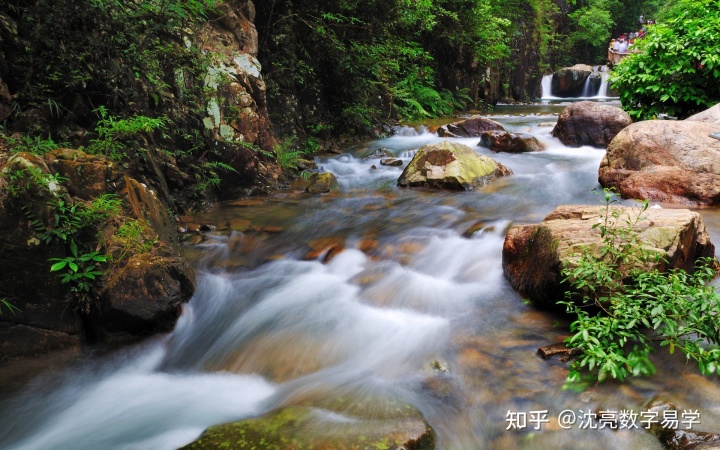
(375, 293)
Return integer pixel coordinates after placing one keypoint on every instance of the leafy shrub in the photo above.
(677, 68)
(623, 308)
(112, 131)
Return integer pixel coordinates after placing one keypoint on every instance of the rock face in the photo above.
(590, 123)
(533, 255)
(140, 292)
(449, 165)
(666, 161)
(472, 127)
(569, 81)
(710, 115)
(236, 109)
(503, 141)
(300, 427)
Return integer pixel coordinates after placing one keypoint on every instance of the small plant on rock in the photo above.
(623, 305)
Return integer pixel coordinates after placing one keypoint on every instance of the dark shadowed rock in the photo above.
(449, 165)
(666, 161)
(569, 81)
(145, 296)
(472, 127)
(590, 123)
(503, 141)
(533, 255)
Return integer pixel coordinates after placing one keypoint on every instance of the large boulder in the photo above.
(666, 161)
(449, 165)
(710, 115)
(534, 255)
(139, 293)
(301, 427)
(590, 123)
(145, 295)
(569, 81)
(472, 127)
(503, 141)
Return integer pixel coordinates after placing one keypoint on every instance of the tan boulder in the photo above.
(665, 161)
(534, 255)
(449, 165)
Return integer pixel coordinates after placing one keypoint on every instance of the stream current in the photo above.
(373, 292)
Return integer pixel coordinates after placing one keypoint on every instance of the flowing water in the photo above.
(374, 292)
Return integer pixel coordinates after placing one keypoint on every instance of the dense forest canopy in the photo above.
(677, 68)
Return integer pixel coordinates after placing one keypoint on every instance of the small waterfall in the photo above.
(587, 88)
(547, 87)
(603, 91)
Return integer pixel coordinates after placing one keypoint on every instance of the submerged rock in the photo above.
(590, 123)
(302, 427)
(503, 141)
(448, 165)
(665, 161)
(391, 162)
(472, 127)
(533, 255)
(321, 183)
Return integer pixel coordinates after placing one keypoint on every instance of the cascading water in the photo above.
(603, 91)
(546, 87)
(357, 296)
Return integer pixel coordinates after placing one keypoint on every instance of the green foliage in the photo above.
(70, 218)
(134, 235)
(624, 305)
(21, 181)
(9, 306)
(112, 132)
(677, 69)
(36, 145)
(80, 270)
(210, 177)
(287, 154)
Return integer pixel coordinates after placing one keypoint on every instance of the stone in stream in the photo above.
(503, 141)
(303, 427)
(394, 162)
(472, 127)
(590, 123)
(676, 438)
(322, 183)
(570, 81)
(449, 165)
(666, 161)
(533, 255)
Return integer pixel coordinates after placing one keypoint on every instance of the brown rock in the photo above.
(590, 123)
(471, 127)
(533, 255)
(503, 141)
(569, 81)
(391, 162)
(145, 295)
(710, 115)
(665, 161)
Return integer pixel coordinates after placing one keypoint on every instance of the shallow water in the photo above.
(302, 299)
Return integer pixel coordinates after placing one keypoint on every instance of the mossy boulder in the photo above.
(321, 183)
(533, 255)
(449, 165)
(303, 427)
